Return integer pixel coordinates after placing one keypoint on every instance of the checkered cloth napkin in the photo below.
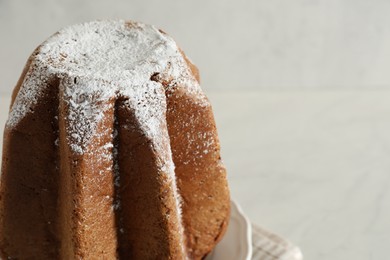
(269, 246)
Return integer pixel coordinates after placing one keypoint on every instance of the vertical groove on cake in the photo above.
(88, 180)
(117, 178)
(148, 214)
(66, 191)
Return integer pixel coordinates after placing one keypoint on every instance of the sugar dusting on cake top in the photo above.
(100, 60)
(110, 50)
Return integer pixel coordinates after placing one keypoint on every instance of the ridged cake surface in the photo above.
(111, 151)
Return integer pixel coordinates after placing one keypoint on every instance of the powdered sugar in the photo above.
(110, 50)
(100, 60)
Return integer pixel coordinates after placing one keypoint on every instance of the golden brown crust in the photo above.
(87, 221)
(201, 176)
(29, 184)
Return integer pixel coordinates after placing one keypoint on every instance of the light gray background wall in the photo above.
(251, 44)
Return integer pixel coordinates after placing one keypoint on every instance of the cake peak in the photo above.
(99, 61)
(109, 50)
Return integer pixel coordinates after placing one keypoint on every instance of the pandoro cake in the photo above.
(111, 151)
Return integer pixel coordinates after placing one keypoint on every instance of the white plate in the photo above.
(237, 242)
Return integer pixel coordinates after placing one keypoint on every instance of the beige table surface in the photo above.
(311, 166)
